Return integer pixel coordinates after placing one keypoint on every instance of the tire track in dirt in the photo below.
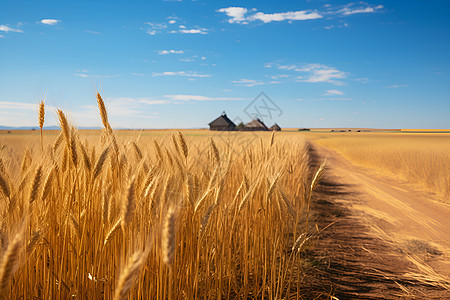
(383, 243)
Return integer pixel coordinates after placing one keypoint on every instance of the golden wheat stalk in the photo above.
(34, 240)
(100, 162)
(183, 144)
(318, 176)
(128, 276)
(35, 186)
(73, 147)
(168, 237)
(57, 142)
(64, 126)
(113, 231)
(215, 151)
(48, 184)
(41, 121)
(10, 259)
(128, 204)
(4, 186)
(84, 154)
(102, 110)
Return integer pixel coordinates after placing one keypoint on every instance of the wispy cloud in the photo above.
(311, 73)
(85, 74)
(92, 32)
(6, 28)
(333, 93)
(244, 15)
(321, 73)
(247, 82)
(19, 106)
(192, 31)
(165, 52)
(155, 28)
(50, 21)
(395, 86)
(182, 73)
(364, 8)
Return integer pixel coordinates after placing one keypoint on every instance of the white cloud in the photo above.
(333, 93)
(164, 52)
(247, 82)
(155, 28)
(321, 73)
(395, 86)
(50, 21)
(290, 16)
(9, 29)
(194, 31)
(346, 11)
(172, 21)
(199, 98)
(239, 15)
(182, 73)
(312, 73)
(236, 14)
(92, 32)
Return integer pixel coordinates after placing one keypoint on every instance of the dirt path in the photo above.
(387, 240)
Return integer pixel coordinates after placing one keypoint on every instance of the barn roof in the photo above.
(256, 123)
(275, 127)
(223, 120)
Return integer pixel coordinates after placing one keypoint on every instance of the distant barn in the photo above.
(222, 123)
(255, 125)
(275, 127)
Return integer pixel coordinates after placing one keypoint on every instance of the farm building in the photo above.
(275, 127)
(255, 125)
(222, 123)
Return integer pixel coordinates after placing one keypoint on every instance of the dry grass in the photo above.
(422, 158)
(148, 215)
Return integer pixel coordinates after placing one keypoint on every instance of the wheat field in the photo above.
(420, 158)
(102, 215)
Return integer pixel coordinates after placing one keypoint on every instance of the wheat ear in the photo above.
(100, 162)
(128, 276)
(168, 237)
(114, 230)
(4, 186)
(183, 144)
(128, 205)
(35, 186)
(10, 259)
(41, 121)
(64, 126)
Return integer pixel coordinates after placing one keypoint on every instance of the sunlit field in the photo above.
(153, 214)
(420, 158)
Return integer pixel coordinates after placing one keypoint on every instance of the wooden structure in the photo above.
(255, 125)
(222, 123)
(275, 127)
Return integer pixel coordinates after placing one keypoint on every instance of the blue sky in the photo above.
(179, 64)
